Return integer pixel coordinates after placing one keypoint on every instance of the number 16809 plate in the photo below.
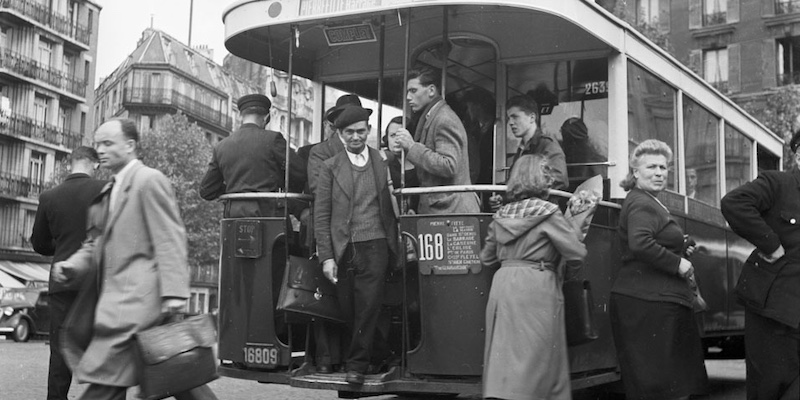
(261, 355)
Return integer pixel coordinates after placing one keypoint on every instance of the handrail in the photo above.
(266, 195)
(483, 188)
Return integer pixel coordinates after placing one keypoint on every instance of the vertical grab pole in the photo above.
(381, 61)
(405, 335)
(292, 42)
(445, 49)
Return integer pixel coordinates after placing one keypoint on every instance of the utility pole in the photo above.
(191, 11)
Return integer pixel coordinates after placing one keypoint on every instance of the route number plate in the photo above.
(261, 355)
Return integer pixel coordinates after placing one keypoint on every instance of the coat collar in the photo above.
(343, 173)
(122, 196)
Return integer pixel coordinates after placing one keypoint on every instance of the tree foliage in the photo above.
(779, 111)
(180, 150)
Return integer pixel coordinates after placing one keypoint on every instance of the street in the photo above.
(23, 376)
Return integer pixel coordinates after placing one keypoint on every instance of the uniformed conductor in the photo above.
(766, 212)
(252, 159)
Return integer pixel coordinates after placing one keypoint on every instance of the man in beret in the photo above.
(332, 145)
(766, 212)
(438, 149)
(252, 159)
(356, 232)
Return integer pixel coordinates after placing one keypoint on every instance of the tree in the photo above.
(779, 111)
(180, 150)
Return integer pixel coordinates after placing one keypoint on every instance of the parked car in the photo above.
(24, 312)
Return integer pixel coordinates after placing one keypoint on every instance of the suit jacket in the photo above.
(318, 155)
(60, 225)
(251, 160)
(651, 243)
(334, 202)
(766, 212)
(141, 258)
(441, 158)
(552, 151)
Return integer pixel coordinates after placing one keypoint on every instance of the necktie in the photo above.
(112, 195)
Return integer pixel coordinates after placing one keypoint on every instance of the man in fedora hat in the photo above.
(252, 159)
(332, 145)
(356, 231)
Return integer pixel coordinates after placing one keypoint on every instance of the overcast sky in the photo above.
(122, 23)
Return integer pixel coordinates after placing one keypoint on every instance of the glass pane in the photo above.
(651, 112)
(767, 161)
(738, 155)
(568, 92)
(701, 132)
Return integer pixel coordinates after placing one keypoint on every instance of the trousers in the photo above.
(773, 362)
(59, 376)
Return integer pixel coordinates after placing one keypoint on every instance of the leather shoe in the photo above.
(324, 369)
(354, 378)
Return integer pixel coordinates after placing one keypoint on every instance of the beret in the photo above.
(795, 142)
(350, 115)
(341, 103)
(253, 100)
(575, 129)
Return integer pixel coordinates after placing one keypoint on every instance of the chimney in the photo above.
(204, 50)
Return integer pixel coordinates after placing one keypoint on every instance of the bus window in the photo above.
(568, 91)
(738, 158)
(651, 113)
(767, 161)
(701, 133)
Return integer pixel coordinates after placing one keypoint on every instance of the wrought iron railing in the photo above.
(18, 185)
(21, 126)
(33, 69)
(41, 14)
(173, 98)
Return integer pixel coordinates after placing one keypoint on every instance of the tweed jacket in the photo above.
(766, 213)
(139, 255)
(60, 225)
(441, 158)
(319, 154)
(334, 203)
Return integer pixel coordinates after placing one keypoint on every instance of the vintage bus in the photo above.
(578, 61)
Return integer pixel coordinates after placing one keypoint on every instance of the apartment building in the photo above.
(47, 60)
(163, 76)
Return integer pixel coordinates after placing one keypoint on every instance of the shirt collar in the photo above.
(352, 156)
(119, 176)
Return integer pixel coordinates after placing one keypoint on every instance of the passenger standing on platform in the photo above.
(356, 233)
(252, 159)
(58, 231)
(525, 356)
(766, 213)
(438, 149)
(522, 115)
(140, 253)
(333, 144)
(657, 339)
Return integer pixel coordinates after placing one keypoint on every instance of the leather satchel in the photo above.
(176, 357)
(306, 293)
(578, 307)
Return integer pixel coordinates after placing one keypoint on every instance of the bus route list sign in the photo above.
(349, 34)
(448, 245)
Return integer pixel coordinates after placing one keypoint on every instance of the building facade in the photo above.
(47, 62)
(163, 76)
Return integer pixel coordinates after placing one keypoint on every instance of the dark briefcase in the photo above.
(578, 307)
(176, 357)
(306, 293)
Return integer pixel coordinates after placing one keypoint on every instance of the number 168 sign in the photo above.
(448, 245)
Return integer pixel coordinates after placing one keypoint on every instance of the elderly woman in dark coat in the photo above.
(657, 339)
(526, 347)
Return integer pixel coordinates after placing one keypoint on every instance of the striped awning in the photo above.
(26, 271)
(8, 281)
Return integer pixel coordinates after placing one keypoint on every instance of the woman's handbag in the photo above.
(578, 307)
(306, 293)
(177, 357)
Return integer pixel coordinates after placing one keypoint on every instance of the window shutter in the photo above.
(663, 15)
(695, 14)
(696, 61)
(768, 64)
(734, 68)
(733, 11)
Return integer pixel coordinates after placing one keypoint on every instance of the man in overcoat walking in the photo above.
(137, 249)
(766, 212)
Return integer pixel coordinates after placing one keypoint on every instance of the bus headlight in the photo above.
(7, 310)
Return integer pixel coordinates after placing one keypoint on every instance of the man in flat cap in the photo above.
(252, 159)
(766, 212)
(356, 233)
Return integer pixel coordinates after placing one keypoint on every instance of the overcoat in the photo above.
(139, 258)
(318, 154)
(441, 158)
(333, 206)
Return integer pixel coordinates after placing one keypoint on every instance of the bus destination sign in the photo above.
(448, 246)
(349, 34)
(316, 7)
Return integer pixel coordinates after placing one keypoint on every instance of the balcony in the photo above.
(787, 7)
(19, 186)
(31, 68)
(717, 18)
(171, 98)
(20, 126)
(42, 15)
